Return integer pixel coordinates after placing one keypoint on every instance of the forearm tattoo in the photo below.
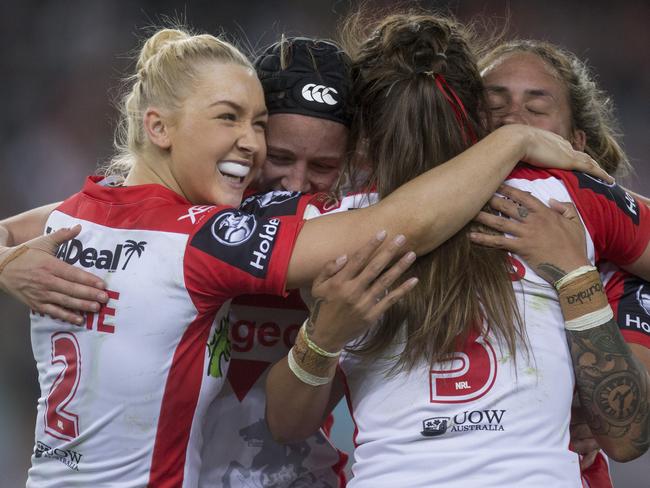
(612, 385)
(550, 272)
(313, 316)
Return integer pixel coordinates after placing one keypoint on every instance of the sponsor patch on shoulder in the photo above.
(271, 204)
(240, 239)
(634, 307)
(612, 192)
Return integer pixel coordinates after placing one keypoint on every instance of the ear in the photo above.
(156, 126)
(579, 140)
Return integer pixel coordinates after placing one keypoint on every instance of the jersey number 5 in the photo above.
(59, 422)
(468, 376)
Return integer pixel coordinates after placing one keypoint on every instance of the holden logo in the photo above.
(319, 93)
(643, 297)
(233, 228)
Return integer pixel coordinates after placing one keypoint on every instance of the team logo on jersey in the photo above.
(218, 349)
(465, 421)
(434, 426)
(68, 457)
(233, 228)
(239, 239)
(643, 297)
(613, 192)
(73, 252)
(271, 204)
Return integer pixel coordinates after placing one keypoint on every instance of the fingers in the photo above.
(521, 197)
(509, 208)
(61, 313)
(361, 257)
(62, 235)
(495, 241)
(500, 224)
(380, 260)
(588, 459)
(330, 269)
(587, 165)
(78, 276)
(51, 242)
(380, 287)
(74, 297)
(567, 210)
(391, 299)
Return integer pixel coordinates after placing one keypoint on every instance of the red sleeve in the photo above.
(629, 297)
(617, 222)
(234, 253)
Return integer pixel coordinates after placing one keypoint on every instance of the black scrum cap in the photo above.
(315, 79)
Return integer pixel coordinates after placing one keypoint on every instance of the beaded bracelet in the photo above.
(315, 347)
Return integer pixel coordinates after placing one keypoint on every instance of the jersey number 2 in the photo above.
(59, 422)
(469, 375)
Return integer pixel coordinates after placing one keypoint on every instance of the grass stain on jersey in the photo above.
(218, 348)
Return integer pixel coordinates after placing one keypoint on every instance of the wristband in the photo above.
(304, 376)
(590, 320)
(573, 275)
(315, 347)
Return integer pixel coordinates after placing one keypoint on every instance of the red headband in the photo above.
(459, 108)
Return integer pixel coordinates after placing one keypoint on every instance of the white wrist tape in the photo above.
(591, 320)
(303, 375)
(582, 270)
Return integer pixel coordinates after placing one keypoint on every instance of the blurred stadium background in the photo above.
(62, 61)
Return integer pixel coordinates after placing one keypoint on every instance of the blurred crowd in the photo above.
(61, 68)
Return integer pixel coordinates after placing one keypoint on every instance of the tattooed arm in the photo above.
(614, 390)
(612, 384)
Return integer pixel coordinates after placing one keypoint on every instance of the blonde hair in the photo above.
(165, 71)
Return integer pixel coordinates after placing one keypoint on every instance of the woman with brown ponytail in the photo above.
(468, 380)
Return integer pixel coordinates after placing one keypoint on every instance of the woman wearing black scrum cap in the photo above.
(306, 84)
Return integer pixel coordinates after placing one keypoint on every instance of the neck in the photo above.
(146, 171)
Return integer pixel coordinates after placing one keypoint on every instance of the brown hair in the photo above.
(165, 71)
(405, 125)
(592, 111)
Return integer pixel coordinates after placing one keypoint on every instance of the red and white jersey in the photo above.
(123, 396)
(630, 300)
(485, 419)
(238, 448)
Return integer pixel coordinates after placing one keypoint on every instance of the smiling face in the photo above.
(303, 153)
(524, 89)
(216, 139)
